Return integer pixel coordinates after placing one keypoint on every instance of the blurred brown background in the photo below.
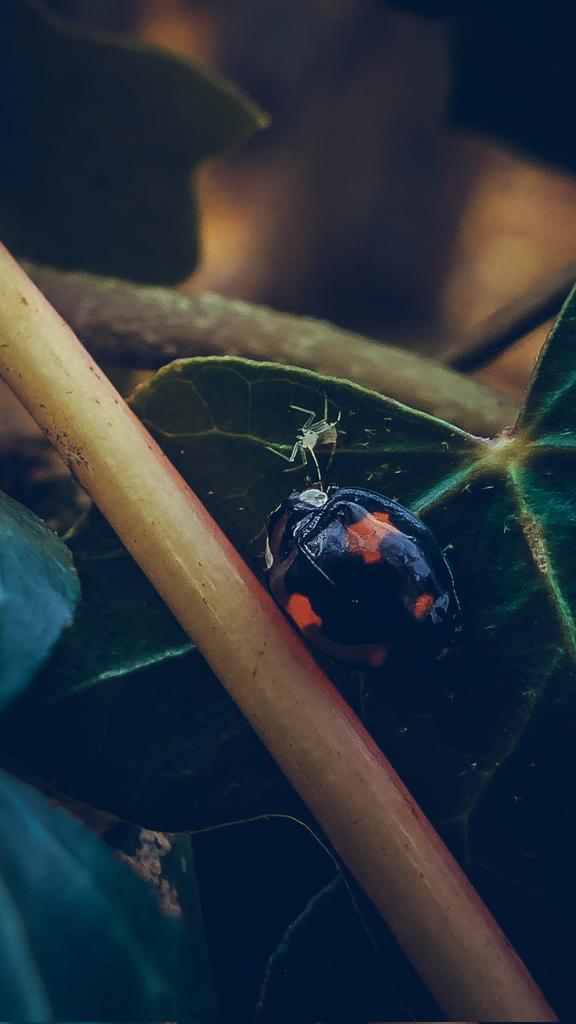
(363, 203)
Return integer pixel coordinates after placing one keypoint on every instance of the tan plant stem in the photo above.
(146, 327)
(350, 787)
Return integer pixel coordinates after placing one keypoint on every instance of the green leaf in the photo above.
(550, 407)
(164, 746)
(122, 624)
(218, 420)
(179, 744)
(484, 737)
(117, 129)
(80, 934)
(250, 894)
(266, 886)
(327, 966)
(39, 590)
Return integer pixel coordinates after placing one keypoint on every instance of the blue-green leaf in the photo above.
(39, 590)
(80, 935)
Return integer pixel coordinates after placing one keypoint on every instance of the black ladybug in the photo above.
(360, 576)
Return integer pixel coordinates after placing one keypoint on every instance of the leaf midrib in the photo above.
(540, 556)
(536, 543)
(267, 443)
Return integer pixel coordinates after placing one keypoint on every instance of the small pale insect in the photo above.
(313, 432)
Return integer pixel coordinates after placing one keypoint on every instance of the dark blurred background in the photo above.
(418, 174)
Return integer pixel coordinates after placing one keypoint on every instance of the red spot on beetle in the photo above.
(377, 657)
(301, 612)
(366, 536)
(424, 604)
(367, 655)
(299, 608)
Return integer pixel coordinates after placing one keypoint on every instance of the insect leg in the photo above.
(280, 454)
(315, 461)
(297, 448)
(311, 416)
